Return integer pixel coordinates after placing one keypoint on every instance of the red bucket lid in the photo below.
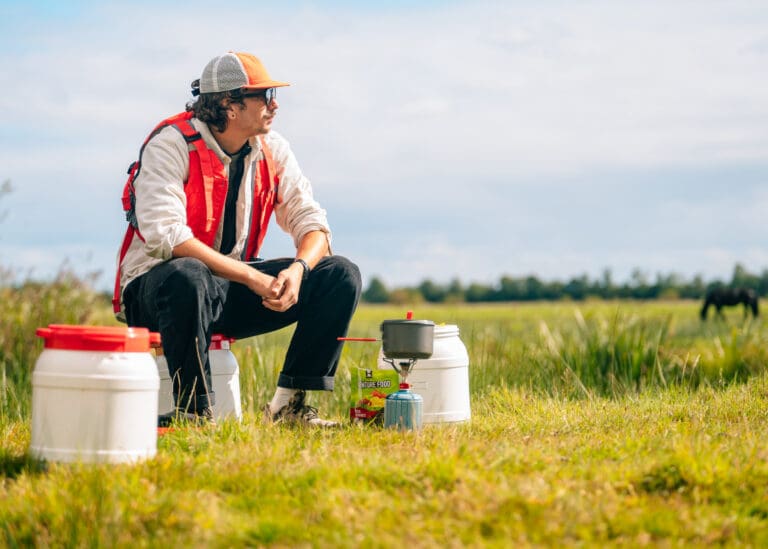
(220, 342)
(97, 338)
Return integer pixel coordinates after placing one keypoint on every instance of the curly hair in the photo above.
(211, 108)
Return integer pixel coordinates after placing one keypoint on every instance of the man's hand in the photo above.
(278, 293)
(285, 287)
(284, 291)
(261, 283)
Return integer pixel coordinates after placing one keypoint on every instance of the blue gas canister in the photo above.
(403, 409)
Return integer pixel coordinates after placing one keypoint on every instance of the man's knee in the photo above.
(189, 277)
(344, 273)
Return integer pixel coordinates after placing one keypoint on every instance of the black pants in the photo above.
(186, 303)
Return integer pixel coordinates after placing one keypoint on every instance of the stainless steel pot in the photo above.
(407, 338)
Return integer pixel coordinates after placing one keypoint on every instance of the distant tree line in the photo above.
(579, 288)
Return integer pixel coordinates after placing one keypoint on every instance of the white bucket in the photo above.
(225, 381)
(443, 379)
(94, 395)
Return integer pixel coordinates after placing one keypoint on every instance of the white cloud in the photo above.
(527, 90)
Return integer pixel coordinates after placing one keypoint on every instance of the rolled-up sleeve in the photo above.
(296, 211)
(160, 199)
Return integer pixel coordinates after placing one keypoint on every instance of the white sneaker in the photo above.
(296, 412)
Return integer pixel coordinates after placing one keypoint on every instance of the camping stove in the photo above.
(404, 343)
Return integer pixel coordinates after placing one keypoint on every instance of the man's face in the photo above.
(256, 115)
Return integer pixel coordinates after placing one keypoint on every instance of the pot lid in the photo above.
(408, 322)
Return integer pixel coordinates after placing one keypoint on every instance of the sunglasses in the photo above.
(268, 95)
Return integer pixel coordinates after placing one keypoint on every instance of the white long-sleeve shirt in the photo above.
(161, 202)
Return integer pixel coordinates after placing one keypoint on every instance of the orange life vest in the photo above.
(206, 192)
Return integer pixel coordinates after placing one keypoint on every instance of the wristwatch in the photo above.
(306, 268)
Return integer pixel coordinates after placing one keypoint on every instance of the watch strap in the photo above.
(305, 266)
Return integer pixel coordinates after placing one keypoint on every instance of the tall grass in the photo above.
(26, 306)
(566, 350)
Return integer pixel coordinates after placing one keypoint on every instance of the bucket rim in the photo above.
(80, 337)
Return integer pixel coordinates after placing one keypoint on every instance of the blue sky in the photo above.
(446, 140)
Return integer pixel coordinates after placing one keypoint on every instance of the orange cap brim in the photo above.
(258, 77)
(265, 85)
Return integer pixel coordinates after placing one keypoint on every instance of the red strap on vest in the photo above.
(196, 142)
(265, 184)
(207, 171)
(268, 156)
(123, 250)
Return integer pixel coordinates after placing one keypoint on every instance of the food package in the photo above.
(370, 388)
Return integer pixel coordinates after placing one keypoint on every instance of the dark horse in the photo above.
(721, 297)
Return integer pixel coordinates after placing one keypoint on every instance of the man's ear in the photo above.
(229, 107)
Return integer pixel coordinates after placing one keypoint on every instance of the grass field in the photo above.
(593, 424)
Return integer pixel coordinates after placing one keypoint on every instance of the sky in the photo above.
(446, 139)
